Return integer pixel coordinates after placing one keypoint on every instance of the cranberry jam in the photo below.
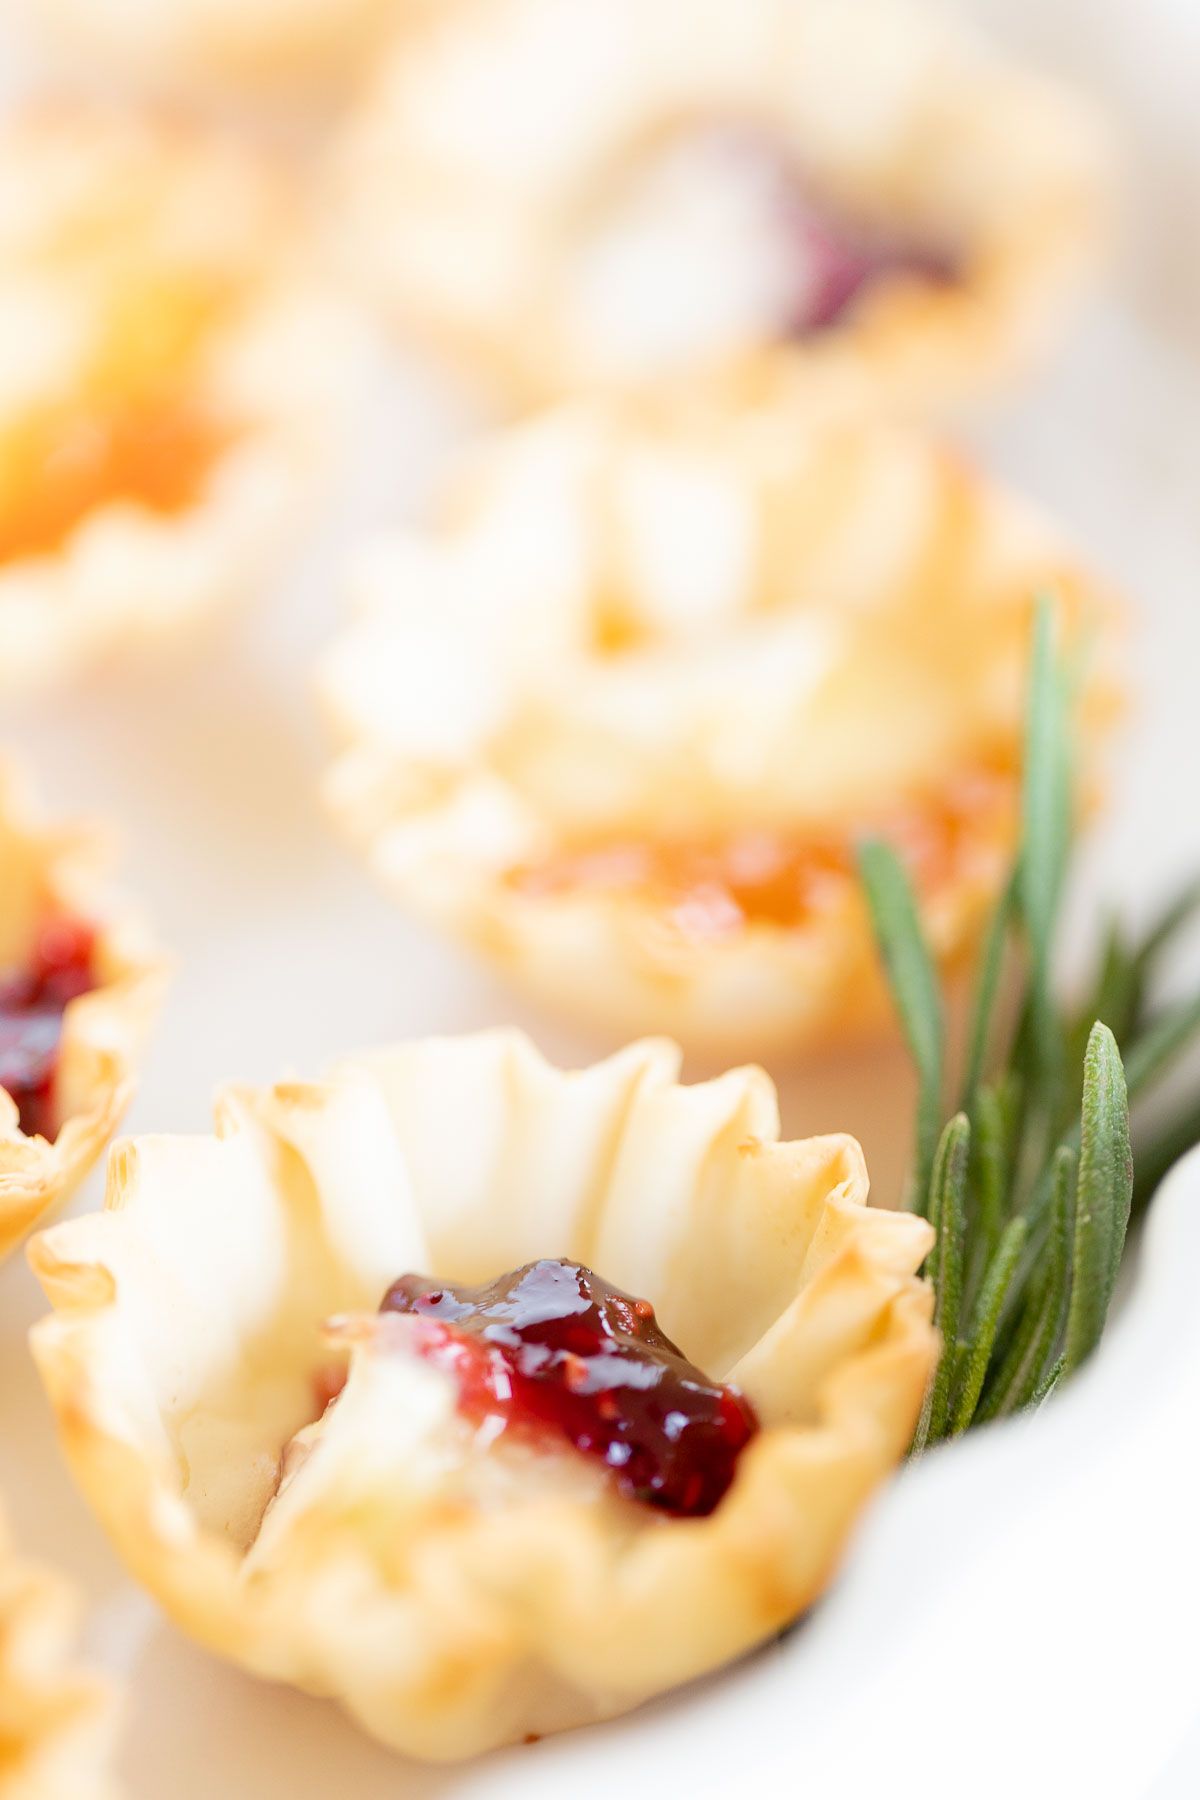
(839, 263)
(553, 1347)
(834, 260)
(32, 1002)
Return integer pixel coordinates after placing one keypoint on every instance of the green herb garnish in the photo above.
(1031, 1182)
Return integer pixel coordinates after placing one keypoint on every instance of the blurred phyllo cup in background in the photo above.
(173, 378)
(80, 982)
(821, 202)
(619, 716)
(260, 49)
(57, 1721)
(463, 1544)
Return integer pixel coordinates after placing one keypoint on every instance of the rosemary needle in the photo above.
(1030, 1184)
(914, 988)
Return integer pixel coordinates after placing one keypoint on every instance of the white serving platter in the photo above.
(1019, 1613)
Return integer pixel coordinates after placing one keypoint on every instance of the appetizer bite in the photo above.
(793, 201)
(79, 985)
(619, 718)
(487, 1398)
(57, 1722)
(169, 382)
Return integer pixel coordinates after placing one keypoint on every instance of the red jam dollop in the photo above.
(833, 258)
(838, 263)
(32, 1002)
(554, 1348)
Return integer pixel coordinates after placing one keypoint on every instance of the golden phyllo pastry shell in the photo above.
(619, 716)
(598, 195)
(52, 873)
(453, 1596)
(56, 1721)
(171, 379)
(269, 46)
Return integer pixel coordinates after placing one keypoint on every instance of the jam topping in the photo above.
(132, 431)
(831, 260)
(835, 263)
(32, 1003)
(553, 1348)
(716, 239)
(785, 879)
(59, 467)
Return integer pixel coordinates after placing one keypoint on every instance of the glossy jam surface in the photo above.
(711, 890)
(831, 259)
(58, 468)
(554, 1348)
(837, 264)
(133, 431)
(32, 1002)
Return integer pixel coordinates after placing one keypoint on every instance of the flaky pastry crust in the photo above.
(56, 1721)
(451, 1596)
(521, 164)
(618, 718)
(50, 872)
(173, 377)
(260, 46)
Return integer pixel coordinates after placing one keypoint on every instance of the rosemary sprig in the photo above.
(1031, 1182)
(914, 987)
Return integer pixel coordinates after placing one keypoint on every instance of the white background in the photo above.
(1022, 1613)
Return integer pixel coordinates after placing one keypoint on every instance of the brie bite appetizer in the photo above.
(802, 202)
(487, 1398)
(620, 716)
(79, 985)
(57, 1722)
(171, 379)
